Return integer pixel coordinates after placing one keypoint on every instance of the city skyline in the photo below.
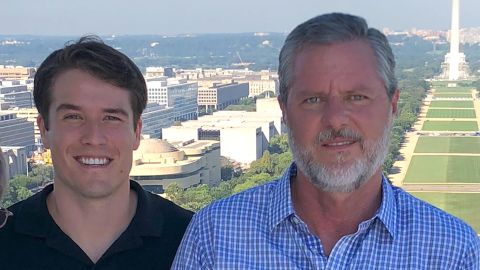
(120, 17)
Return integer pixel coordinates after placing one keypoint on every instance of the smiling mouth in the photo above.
(338, 144)
(93, 161)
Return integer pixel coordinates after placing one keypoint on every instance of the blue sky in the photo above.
(105, 17)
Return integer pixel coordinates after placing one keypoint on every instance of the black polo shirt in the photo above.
(32, 240)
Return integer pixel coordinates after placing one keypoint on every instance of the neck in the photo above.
(332, 215)
(92, 223)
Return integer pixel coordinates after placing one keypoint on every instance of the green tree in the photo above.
(197, 198)
(279, 144)
(253, 181)
(175, 193)
(265, 164)
(17, 190)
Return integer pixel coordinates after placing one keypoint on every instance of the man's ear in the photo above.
(284, 110)
(43, 131)
(394, 102)
(138, 134)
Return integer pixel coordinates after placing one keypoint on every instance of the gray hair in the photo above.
(334, 28)
(3, 174)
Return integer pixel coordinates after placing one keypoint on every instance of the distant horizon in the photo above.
(206, 33)
(149, 17)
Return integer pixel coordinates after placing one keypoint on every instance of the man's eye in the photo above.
(312, 100)
(112, 118)
(72, 117)
(357, 97)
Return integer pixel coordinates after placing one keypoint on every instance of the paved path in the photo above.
(448, 188)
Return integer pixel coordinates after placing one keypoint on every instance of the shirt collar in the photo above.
(149, 217)
(35, 210)
(281, 205)
(387, 212)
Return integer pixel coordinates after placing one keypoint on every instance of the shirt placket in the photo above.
(309, 244)
(346, 249)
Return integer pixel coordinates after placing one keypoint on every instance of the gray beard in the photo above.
(341, 177)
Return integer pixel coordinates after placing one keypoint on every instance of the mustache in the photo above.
(344, 133)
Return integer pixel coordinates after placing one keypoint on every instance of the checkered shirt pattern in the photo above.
(259, 229)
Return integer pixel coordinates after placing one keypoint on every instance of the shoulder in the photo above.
(249, 201)
(31, 201)
(249, 206)
(225, 224)
(422, 217)
(172, 213)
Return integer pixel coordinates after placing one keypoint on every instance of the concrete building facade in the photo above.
(259, 84)
(16, 159)
(158, 163)
(16, 131)
(175, 93)
(243, 136)
(219, 96)
(15, 96)
(31, 115)
(155, 117)
(16, 72)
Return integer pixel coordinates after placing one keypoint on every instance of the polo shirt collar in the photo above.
(281, 205)
(33, 217)
(148, 220)
(149, 217)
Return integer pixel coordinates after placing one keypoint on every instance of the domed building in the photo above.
(158, 163)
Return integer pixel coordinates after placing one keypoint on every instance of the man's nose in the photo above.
(93, 134)
(335, 114)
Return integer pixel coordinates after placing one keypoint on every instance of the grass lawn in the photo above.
(465, 206)
(451, 113)
(427, 144)
(452, 95)
(453, 89)
(452, 103)
(444, 83)
(450, 126)
(443, 169)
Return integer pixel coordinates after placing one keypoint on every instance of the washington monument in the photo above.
(455, 67)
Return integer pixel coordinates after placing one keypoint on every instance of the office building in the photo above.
(16, 72)
(16, 131)
(243, 136)
(174, 93)
(15, 96)
(219, 96)
(154, 118)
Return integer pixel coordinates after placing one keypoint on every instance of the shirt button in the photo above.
(295, 220)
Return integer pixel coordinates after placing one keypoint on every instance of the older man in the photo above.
(332, 209)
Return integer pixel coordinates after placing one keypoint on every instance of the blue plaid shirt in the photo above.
(259, 229)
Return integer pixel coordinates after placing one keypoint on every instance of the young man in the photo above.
(90, 98)
(332, 209)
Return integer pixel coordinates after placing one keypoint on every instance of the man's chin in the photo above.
(338, 178)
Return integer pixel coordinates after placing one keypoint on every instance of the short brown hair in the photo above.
(90, 54)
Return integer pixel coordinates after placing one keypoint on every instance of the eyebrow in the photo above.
(116, 111)
(66, 106)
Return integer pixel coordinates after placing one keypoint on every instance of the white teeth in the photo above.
(93, 161)
(339, 143)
